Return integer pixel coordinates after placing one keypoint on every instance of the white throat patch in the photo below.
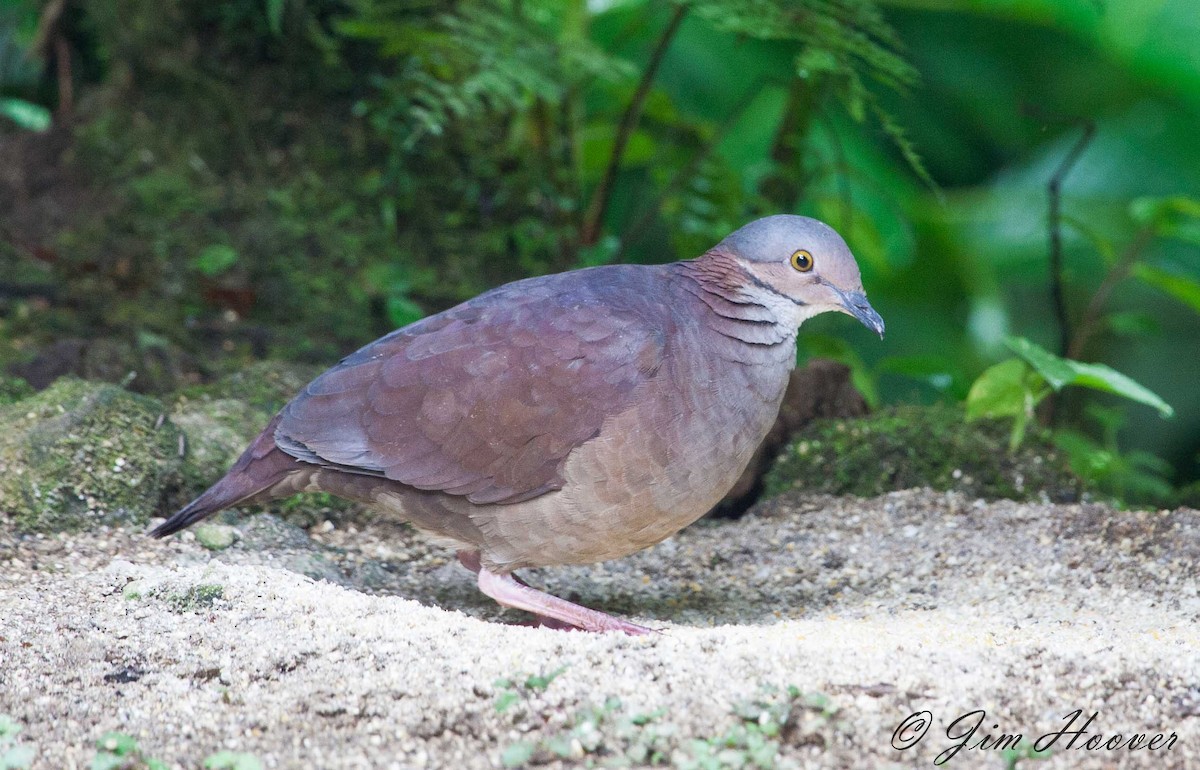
(784, 312)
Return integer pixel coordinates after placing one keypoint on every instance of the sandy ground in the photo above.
(875, 610)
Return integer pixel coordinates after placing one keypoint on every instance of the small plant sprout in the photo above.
(118, 751)
(512, 690)
(13, 755)
(232, 760)
(1013, 756)
(1014, 387)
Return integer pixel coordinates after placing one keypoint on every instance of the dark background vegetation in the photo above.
(187, 185)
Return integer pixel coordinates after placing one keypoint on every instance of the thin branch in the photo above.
(635, 231)
(787, 184)
(1090, 322)
(66, 89)
(48, 25)
(50, 43)
(593, 220)
(1057, 291)
(783, 148)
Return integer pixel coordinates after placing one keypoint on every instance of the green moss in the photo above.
(217, 433)
(914, 446)
(197, 597)
(82, 453)
(264, 386)
(215, 537)
(13, 389)
(221, 419)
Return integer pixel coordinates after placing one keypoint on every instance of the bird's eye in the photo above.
(802, 261)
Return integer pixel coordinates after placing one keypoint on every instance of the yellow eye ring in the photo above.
(802, 261)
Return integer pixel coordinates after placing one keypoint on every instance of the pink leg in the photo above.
(552, 612)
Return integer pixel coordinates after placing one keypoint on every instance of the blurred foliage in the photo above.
(294, 177)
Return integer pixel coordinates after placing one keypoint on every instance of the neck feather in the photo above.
(725, 287)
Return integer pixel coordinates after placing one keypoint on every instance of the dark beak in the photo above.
(856, 305)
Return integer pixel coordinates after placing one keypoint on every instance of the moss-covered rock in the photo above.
(215, 537)
(915, 446)
(221, 419)
(83, 453)
(265, 386)
(196, 598)
(217, 432)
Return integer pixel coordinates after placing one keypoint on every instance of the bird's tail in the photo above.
(262, 466)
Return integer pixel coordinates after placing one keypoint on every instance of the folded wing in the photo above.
(485, 400)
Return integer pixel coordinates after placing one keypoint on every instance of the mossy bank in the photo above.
(82, 453)
(917, 446)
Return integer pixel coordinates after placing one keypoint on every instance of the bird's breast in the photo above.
(655, 467)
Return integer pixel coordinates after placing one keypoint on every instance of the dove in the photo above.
(565, 419)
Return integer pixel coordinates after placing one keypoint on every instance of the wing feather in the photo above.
(485, 400)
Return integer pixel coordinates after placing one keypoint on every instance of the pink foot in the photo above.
(552, 612)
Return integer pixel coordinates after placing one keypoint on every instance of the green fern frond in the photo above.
(896, 133)
(482, 59)
(845, 41)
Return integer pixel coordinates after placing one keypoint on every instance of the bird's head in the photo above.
(799, 267)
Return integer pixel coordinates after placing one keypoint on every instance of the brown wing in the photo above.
(485, 400)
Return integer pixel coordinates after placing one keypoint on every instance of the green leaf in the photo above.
(8, 727)
(1177, 216)
(1132, 476)
(275, 16)
(1147, 209)
(117, 743)
(639, 151)
(1060, 372)
(1182, 288)
(505, 700)
(560, 746)
(106, 761)
(542, 681)
(517, 754)
(1101, 377)
(1012, 756)
(1099, 241)
(600, 253)
(27, 115)
(1001, 391)
(648, 717)
(232, 760)
(19, 757)
(1057, 371)
(1134, 324)
(402, 311)
(215, 259)
(1087, 458)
